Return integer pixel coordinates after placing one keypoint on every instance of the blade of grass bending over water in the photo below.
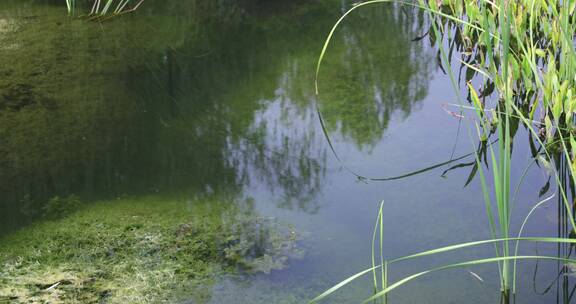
(326, 44)
(372, 2)
(520, 235)
(342, 284)
(482, 242)
(319, 64)
(461, 265)
(444, 250)
(380, 179)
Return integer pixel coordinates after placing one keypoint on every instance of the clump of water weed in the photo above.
(259, 244)
(145, 250)
(58, 207)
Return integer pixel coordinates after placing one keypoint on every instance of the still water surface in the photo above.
(218, 96)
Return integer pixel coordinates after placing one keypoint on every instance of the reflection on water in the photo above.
(372, 70)
(217, 97)
(216, 100)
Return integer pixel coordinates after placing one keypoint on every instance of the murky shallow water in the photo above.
(215, 96)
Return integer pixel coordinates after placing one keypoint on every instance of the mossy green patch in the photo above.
(145, 250)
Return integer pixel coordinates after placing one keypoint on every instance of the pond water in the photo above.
(208, 97)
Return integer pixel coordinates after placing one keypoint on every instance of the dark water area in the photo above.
(204, 97)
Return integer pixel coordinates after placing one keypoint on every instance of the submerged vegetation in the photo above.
(140, 250)
(522, 52)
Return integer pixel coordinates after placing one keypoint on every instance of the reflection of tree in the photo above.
(372, 70)
(283, 154)
(187, 97)
(90, 110)
(239, 94)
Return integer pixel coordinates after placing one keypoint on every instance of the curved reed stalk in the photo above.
(104, 9)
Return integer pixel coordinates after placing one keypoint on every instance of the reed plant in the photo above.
(103, 8)
(70, 4)
(523, 51)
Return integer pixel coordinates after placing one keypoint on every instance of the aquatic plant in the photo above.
(58, 207)
(70, 4)
(140, 250)
(507, 43)
(107, 7)
(501, 43)
(121, 7)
